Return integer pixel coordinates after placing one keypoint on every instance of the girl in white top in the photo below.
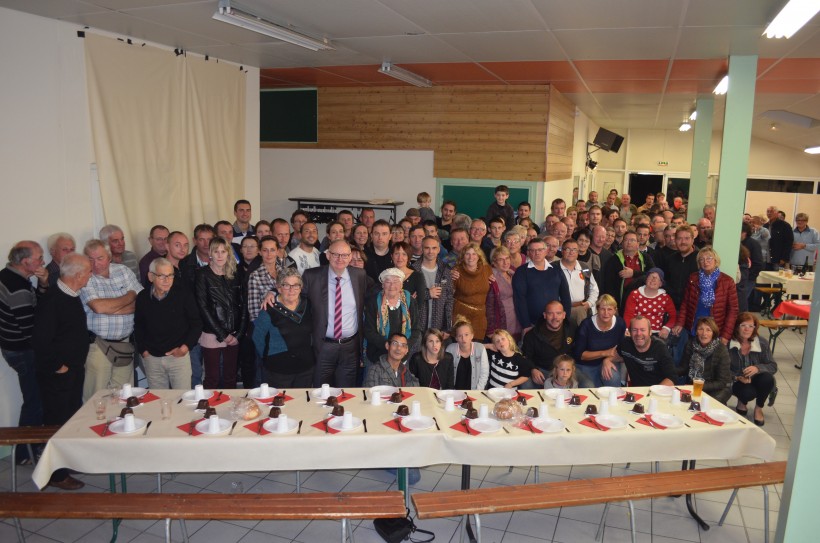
(563, 373)
(473, 376)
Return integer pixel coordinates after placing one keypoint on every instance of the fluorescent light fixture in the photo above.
(723, 86)
(231, 14)
(812, 150)
(401, 74)
(693, 116)
(791, 18)
(685, 127)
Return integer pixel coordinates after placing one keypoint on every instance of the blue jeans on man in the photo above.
(31, 412)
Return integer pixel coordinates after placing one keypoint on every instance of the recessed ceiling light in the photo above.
(812, 150)
(792, 18)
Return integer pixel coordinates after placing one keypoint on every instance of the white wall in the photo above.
(357, 175)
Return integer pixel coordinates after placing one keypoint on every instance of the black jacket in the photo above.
(780, 242)
(538, 350)
(419, 367)
(221, 304)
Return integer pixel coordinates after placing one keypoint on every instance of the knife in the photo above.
(364, 394)
(299, 431)
(218, 396)
(327, 428)
(105, 430)
(540, 396)
(232, 427)
(595, 422)
(192, 426)
(505, 429)
(487, 396)
(398, 423)
(529, 425)
(179, 401)
(259, 430)
(437, 426)
(593, 393)
(147, 426)
(364, 423)
(307, 396)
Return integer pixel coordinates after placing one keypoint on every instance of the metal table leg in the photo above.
(465, 485)
(690, 501)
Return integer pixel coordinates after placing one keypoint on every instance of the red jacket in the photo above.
(724, 310)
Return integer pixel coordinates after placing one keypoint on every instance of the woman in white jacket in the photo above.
(472, 376)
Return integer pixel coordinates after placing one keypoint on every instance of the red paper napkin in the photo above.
(187, 427)
(320, 425)
(645, 422)
(524, 394)
(345, 396)
(528, 426)
(589, 424)
(98, 429)
(213, 402)
(583, 398)
(460, 427)
(254, 426)
(637, 397)
(706, 419)
(147, 397)
(395, 426)
(268, 401)
(459, 401)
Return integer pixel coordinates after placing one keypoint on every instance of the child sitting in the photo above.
(563, 373)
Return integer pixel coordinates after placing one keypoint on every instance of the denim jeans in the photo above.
(196, 365)
(31, 412)
(593, 373)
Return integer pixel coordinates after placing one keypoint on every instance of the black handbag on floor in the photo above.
(395, 530)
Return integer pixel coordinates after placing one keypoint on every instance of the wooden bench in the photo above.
(312, 506)
(594, 491)
(777, 327)
(771, 297)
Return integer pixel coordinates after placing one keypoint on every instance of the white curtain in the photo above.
(168, 134)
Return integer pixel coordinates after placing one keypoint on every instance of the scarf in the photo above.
(699, 355)
(384, 317)
(707, 287)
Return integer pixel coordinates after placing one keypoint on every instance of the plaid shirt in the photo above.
(259, 284)
(119, 281)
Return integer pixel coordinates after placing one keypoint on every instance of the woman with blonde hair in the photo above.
(508, 367)
(224, 315)
(470, 365)
(471, 283)
(596, 343)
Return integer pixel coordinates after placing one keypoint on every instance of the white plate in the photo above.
(457, 395)
(336, 424)
(203, 426)
(604, 392)
(272, 425)
(722, 415)
(255, 394)
(662, 390)
(135, 391)
(118, 426)
(190, 396)
(384, 391)
(485, 426)
(613, 422)
(417, 423)
(316, 394)
(665, 419)
(502, 393)
(801, 302)
(548, 425)
(552, 393)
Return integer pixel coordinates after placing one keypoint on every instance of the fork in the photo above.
(595, 422)
(466, 427)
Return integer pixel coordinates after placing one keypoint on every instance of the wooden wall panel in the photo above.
(560, 137)
(476, 132)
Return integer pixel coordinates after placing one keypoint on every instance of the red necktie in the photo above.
(337, 312)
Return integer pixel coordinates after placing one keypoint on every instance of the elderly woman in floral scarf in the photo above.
(710, 293)
(706, 357)
(392, 309)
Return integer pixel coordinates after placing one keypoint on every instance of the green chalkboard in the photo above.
(288, 115)
(474, 201)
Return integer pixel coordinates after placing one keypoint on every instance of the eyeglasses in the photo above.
(164, 277)
(340, 256)
(290, 286)
(537, 250)
(399, 344)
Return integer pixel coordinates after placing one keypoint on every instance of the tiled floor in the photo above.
(659, 520)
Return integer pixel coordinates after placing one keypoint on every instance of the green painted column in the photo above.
(734, 159)
(701, 149)
(797, 520)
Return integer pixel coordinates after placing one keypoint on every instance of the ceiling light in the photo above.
(774, 127)
(388, 68)
(231, 14)
(685, 127)
(791, 18)
(693, 116)
(812, 150)
(723, 86)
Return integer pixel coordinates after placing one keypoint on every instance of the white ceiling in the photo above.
(365, 32)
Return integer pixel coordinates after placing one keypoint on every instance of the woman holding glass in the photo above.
(752, 366)
(706, 358)
(224, 315)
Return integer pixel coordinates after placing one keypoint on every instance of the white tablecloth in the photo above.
(167, 449)
(793, 286)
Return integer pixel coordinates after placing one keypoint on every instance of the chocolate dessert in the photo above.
(637, 408)
(279, 401)
(210, 411)
(629, 398)
(403, 410)
(332, 400)
(575, 400)
(522, 400)
(202, 404)
(694, 406)
(126, 411)
(685, 396)
(471, 413)
(338, 411)
(532, 412)
(132, 401)
(591, 410)
(467, 404)
(275, 412)
(396, 397)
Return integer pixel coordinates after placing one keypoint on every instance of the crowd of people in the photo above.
(600, 293)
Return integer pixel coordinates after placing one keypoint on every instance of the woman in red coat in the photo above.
(709, 293)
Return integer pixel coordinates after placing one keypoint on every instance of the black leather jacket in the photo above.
(221, 304)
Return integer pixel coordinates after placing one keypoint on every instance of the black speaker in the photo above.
(608, 141)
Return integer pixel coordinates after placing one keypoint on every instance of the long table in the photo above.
(792, 286)
(167, 449)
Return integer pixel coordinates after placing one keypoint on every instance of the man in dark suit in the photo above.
(336, 331)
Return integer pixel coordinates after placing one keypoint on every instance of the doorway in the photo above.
(641, 184)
